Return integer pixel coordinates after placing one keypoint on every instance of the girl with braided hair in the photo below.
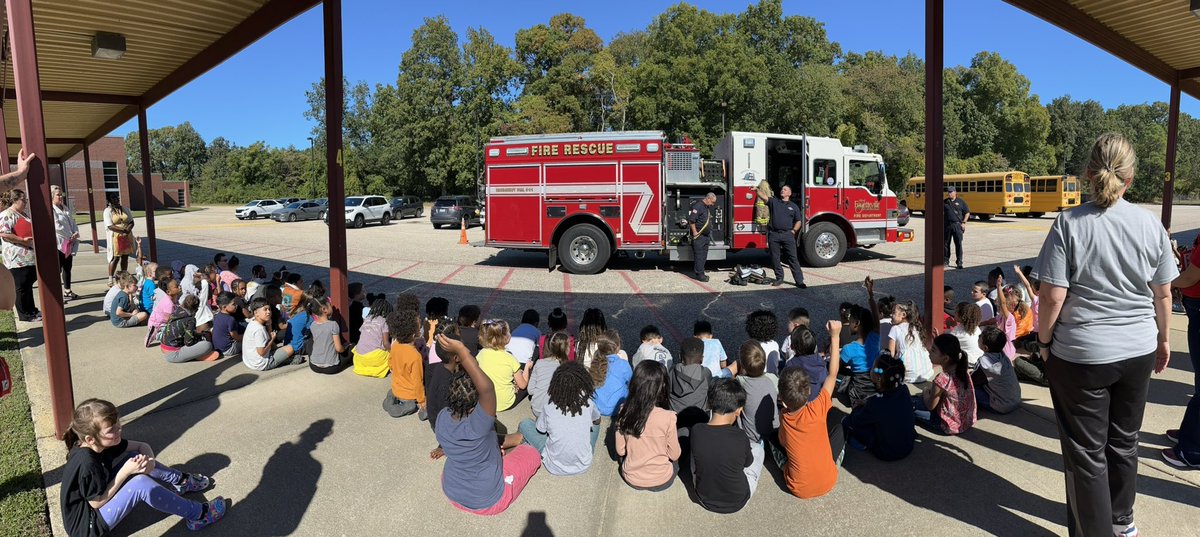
(569, 425)
(885, 424)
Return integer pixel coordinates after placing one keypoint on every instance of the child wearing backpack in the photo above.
(181, 342)
(107, 476)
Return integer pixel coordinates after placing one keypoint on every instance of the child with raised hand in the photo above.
(967, 331)
(996, 385)
(906, 341)
(610, 375)
(567, 427)
(501, 367)
(557, 322)
(181, 341)
(885, 424)
(689, 385)
(948, 407)
(439, 375)
(805, 356)
(1006, 319)
(881, 309)
(1029, 365)
(437, 311)
(762, 326)
(796, 317)
(124, 312)
(724, 468)
(407, 392)
(811, 451)
(329, 355)
(478, 478)
(652, 348)
(554, 354)
(857, 357)
(646, 439)
(715, 358)
(371, 351)
(107, 476)
(987, 310)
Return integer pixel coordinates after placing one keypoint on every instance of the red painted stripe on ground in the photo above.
(452, 274)
(496, 292)
(371, 262)
(568, 304)
(392, 275)
(653, 310)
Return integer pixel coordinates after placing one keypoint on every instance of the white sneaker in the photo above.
(1125, 531)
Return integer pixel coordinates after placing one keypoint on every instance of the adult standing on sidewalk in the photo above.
(68, 237)
(956, 215)
(785, 222)
(119, 223)
(1105, 270)
(1186, 438)
(16, 230)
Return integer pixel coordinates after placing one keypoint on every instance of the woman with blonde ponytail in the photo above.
(1105, 271)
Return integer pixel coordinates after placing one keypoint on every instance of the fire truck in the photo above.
(583, 197)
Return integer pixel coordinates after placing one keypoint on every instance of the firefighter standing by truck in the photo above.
(785, 223)
(700, 224)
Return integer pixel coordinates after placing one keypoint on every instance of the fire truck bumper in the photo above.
(900, 234)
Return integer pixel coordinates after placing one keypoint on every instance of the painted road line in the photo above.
(568, 303)
(389, 276)
(637, 291)
(496, 292)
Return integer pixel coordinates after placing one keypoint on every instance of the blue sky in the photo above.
(259, 94)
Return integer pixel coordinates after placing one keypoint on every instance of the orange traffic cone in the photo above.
(462, 237)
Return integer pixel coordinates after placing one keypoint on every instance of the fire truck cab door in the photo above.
(862, 187)
(785, 167)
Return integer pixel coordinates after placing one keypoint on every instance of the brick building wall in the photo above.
(110, 176)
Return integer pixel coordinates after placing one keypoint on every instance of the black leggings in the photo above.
(24, 277)
(65, 261)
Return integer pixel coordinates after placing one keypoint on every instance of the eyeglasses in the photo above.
(493, 322)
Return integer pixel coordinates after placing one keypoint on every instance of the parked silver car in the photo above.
(300, 210)
(257, 208)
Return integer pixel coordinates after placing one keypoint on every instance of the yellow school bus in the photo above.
(1051, 193)
(986, 194)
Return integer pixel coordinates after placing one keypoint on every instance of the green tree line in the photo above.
(690, 72)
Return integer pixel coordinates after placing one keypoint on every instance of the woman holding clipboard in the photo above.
(16, 231)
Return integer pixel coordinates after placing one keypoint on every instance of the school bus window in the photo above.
(1072, 186)
(824, 172)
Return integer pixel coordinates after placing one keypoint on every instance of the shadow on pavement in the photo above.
(536, 526)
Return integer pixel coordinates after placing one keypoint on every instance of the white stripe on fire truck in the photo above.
(637, 219)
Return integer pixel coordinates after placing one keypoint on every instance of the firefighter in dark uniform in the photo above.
(786, 220)
(700, 225)
(956, 215)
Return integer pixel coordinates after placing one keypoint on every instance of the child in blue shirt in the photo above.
(804, 355)
(715, 358)
(885, 424)
(857, 357)
(611, 375)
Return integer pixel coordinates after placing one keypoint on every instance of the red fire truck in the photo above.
(582, 197)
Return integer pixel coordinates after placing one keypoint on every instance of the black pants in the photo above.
(24, 277)
(65, 261)
(954, 232)
(1099, 410)
(700, 253)
(784, 242)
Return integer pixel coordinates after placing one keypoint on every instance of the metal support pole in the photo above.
(87, 175)
(1169, 172)
(33, 136)
(934, 162)
(338, 284)
(147, 183)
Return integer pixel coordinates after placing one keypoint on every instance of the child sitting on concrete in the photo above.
(804, 356)
(796, 317)
(610, 374)
(715, 358)
(689, 385)
(996, 386)
(811, 451)
(568, 426)
(885, 424)
(762, 326)
(724, 465)
(652, 348)
(407, 392)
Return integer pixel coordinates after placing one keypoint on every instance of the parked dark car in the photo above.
(403, 206)
(300, 210)
(450, 210)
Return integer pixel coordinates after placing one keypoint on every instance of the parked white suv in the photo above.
(257, 208)
(363, 209)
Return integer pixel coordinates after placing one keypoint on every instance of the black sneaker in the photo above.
(802, 285)
(776, 283)
(701, 278)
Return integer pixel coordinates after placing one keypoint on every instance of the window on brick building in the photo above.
(112, 180)
(179, 196)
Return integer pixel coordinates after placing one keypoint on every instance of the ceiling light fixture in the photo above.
(112, 46)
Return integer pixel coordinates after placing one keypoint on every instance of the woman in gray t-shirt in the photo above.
(1105, 270)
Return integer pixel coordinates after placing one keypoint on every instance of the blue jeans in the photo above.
(147, 489)
(1189, 429)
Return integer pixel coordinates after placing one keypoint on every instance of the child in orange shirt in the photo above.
(407, 393)
(812, 453)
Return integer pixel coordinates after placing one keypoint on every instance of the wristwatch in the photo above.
(1044, 345)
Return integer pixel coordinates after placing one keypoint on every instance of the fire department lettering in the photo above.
(553, 150)
(861, 207)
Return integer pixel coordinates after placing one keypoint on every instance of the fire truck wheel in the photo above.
(584, 249)
(824, 245)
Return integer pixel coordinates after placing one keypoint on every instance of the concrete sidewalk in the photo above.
(305, 454)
